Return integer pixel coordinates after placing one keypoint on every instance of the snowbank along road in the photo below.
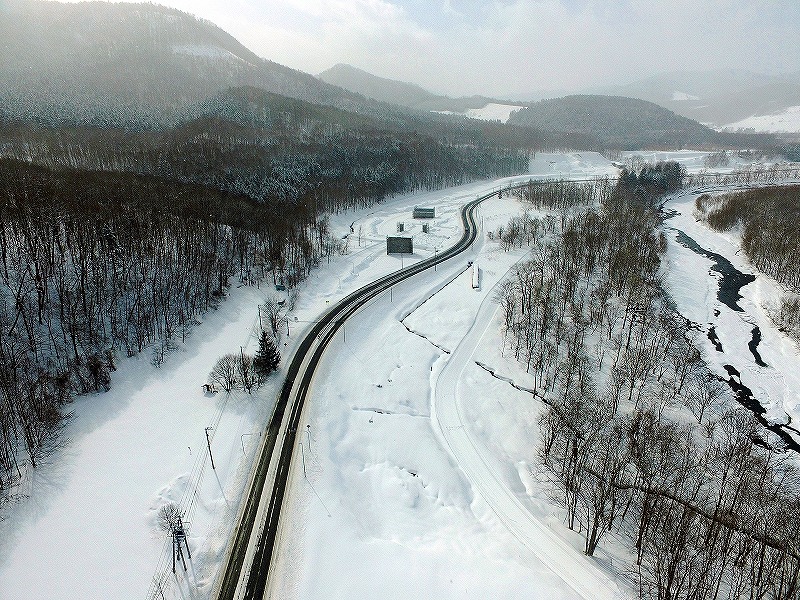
(576, 570)
(272, 467)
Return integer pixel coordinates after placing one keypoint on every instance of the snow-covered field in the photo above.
(787, 120)
(683, 96)
(491, 112)
(415, 478)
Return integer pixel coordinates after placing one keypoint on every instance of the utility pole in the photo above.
(178, 541)
(208, 441)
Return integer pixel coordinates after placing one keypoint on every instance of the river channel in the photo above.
(730, 282)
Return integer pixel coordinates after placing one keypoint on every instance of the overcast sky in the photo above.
(495, 47)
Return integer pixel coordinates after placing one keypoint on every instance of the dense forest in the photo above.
(275, 150)
(114, 242)
(639, 440)
(629, 124)
(94, 265)
(767, 218)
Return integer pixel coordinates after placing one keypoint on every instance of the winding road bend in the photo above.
(246, 567)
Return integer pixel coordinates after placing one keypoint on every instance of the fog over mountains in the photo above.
(715, 97)
(143, 66)
(130, 64)
(397, 92)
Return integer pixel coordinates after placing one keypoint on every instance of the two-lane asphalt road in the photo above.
(250, 582)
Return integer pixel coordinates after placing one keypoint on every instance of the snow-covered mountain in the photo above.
(135, 65)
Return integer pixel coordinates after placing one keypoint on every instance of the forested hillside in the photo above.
(119, 240)
(274, 150)
(638, 438)
(715, 96)
(137, 66)
(94, 266)
(626, 123)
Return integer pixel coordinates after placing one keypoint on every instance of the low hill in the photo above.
(616, 121)
(717, 97)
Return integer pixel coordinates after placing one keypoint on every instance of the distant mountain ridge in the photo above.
(714, 97)
(147, 67)
(399, 92)
(378, 88)
(608, 120)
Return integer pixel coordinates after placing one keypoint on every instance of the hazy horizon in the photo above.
(514, 47)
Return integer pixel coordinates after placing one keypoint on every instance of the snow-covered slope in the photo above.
(491, 112)
(785, 121)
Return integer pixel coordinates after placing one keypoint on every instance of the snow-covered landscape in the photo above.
(490, 112)
(416, 474)
(392, 299)
(786, 120)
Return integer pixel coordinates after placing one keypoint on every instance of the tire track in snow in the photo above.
(576, 570)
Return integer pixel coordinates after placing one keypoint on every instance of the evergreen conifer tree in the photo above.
(268, 356)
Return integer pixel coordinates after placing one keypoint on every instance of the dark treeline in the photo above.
(651, 182)
(276, 151)
(97, 264)
(117, 240)
(637, 437)
(768, 219)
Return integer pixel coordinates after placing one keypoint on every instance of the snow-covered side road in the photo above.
(482, 470)
(379, 505)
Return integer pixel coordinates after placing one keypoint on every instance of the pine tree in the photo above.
(268, 357)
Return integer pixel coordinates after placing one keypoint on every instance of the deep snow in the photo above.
(491, 112)
(787, 120)
(694, 288)
(385, 507)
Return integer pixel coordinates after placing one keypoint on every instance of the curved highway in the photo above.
(286, 418)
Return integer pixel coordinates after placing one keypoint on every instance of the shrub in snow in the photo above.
(224, 372)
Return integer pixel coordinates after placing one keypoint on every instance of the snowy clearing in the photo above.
(491, 112)
(683, 96)
(786, 121)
